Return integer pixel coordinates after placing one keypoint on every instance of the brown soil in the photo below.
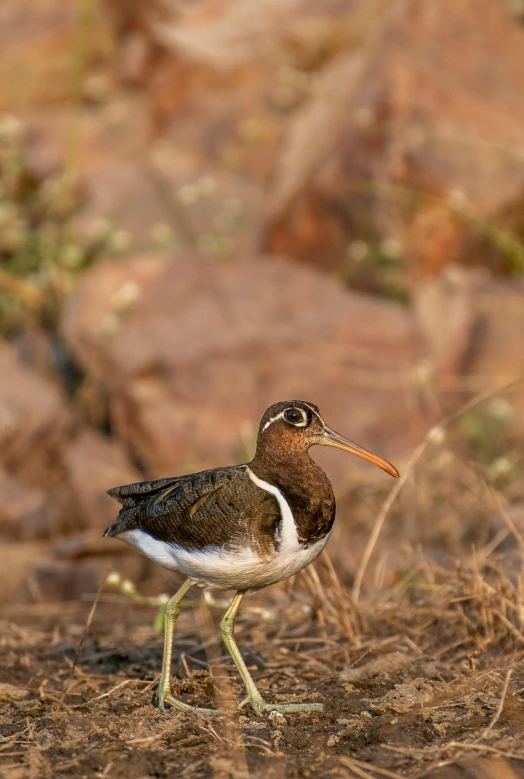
(403, 697)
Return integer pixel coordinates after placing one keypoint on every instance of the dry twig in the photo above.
(362, 769)
(80, 647)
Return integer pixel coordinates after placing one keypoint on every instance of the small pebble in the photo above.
(333, 740)
(276, 718)
(9, 692)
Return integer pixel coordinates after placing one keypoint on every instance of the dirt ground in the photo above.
(408, 689)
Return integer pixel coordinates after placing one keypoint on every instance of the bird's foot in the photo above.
(164, 698)
(260, 706)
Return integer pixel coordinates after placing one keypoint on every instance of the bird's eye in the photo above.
(293, 416)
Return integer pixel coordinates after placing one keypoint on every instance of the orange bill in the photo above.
(330, 438)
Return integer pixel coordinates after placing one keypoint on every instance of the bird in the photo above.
(240, 527)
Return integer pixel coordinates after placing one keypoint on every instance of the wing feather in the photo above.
(212, 508)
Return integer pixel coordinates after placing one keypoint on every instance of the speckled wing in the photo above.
(213, 508)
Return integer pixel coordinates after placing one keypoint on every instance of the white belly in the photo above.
(222, 568)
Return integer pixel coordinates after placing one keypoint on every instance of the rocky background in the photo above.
(209, 206)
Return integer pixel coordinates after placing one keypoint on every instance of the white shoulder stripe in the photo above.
(289, 536)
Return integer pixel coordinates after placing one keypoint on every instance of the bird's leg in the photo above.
(257, 702)
(172, 610)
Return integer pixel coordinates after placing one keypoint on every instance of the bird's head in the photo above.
(295, 426)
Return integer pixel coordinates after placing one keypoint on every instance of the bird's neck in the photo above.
(305, 487)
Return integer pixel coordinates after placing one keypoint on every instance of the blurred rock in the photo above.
(228, 34)
(97, 310)
(18, 563)
(94, 464)
(411, 138)
(133, 25)
(448, 307)
(172, 200)
(228, 72)
(61, 580)
(33, 418)
(500, 355)
(9, 692)
(23, 510)
(204, 347)
(70, 569)
(470, 323)
(72, 574)
(37, 38)
(89, 544)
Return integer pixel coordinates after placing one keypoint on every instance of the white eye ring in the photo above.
(302, 422)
